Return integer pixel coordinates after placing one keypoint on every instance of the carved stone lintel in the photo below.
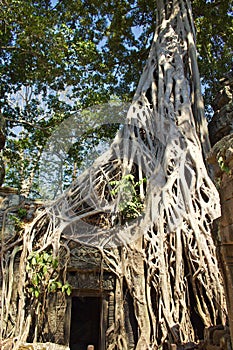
(91, 281)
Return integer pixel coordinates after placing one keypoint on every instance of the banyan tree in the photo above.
(146, 205)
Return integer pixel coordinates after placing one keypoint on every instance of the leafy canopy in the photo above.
(59, 56)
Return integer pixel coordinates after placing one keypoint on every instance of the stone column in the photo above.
(221, 156)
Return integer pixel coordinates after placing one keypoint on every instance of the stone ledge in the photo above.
(8, 344)
(7, 190)
(42, 346)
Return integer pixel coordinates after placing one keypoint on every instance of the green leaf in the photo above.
(36, 293)
(68, 291)
(55, 263)
(67, 288)
(59, 284)
(33, 261)
(53, 287)
(46, 256)
(35, 279)
(222, 165)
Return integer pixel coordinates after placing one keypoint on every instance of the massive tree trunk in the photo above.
(162, 252)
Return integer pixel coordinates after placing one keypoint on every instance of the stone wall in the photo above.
(44, 346)
(86, 274)
(222, 122)
(15, 211)
(7, 345)
(221, 157)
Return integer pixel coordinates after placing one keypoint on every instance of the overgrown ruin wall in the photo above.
(84, 273)
(221, 136)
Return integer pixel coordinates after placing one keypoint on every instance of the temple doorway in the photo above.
(85, 322)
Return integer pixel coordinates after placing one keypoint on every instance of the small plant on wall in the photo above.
(126, 191)
(43, 275)
(43, 279)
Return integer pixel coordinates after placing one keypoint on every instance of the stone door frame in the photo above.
(104, 306)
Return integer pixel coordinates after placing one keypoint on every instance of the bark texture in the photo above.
(162, 252)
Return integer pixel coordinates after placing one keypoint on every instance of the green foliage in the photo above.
(22, 213)
(49, 69)
(126, 191)
(17, 222)
(214, 25)
(18, 218)
(43, 275)
(223, 165)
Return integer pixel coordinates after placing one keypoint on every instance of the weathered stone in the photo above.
(225, 342)
(222, 122)
(217, 335)
(221, 156)
(14, 200)
(227, 213)
(7, 345)
(226, 188)
(5, 190)
(224, 96)
(215, 338)
(43, 346)
(212, 347)
(227, 233)
(220, 126)
(221, 148)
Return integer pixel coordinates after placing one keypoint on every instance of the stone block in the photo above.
(226, 189)
(225, 342)
(42, 346)
(221, 124)
(212, 347)
(227, 213)
(217, 335)
(14, 200)
(173, 347)
(227, 251)
(224, 96)
(226, 233)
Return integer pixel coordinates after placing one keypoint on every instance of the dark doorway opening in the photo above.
(85, 323)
